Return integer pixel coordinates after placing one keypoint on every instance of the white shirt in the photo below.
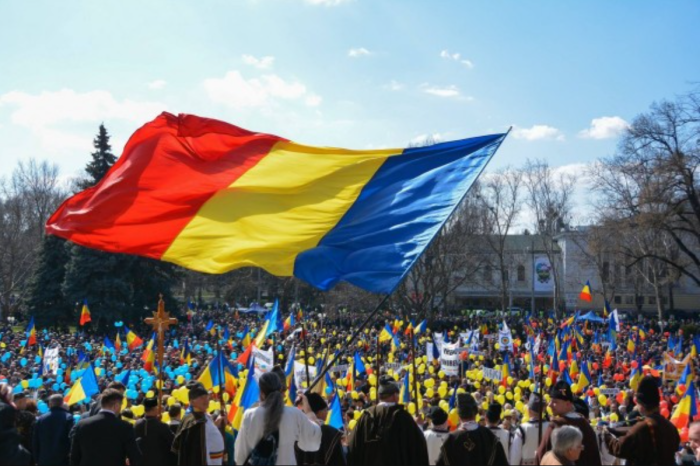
(516, 446)
(532, 435)
(295, 426)
(503, 437)
(434, 440)
(215, 443)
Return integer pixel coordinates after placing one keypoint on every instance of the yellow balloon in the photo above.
(517, 397)
(574, 387)
(477, 385)
(509, 380)
(501, 399)
(411, 408)
(138, 410)
(226, 397)
(614, 417)
(442, 391)
(444, 405)
(431, 370)
(596, 390)
(441, 374)
(165, 418)
(603, 400)
(354, 395)
(548, 382)
(509, 396)
(180, 379)
(484, 405)
(150, 394)
(429, 393)
(171, 401)
(497, 346)
(25, 383)
(501, 389)
(351, 424)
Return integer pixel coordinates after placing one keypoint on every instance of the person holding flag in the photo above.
(331, 451)
(652, 440)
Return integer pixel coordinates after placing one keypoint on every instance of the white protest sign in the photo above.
(264, 361)
(449, 359)
(492, 374)
(300, 375)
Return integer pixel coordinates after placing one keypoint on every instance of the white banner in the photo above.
(449, 359)
(544, 278)
(492, 374)
(438, 338)
(505, 339)
(264, 361)
(300, 375)
(51, 360)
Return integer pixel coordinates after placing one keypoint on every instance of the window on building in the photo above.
(664, 300)
(652, 299)
(618, 299)
(521, 273)
(629, 299)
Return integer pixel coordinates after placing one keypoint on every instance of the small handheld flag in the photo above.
(585, 294)
(85, 314)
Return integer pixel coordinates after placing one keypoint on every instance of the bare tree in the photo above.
(27, 198)
(501, 196)
(651, 181)
(549, 198)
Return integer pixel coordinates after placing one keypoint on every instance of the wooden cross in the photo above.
(160, 322)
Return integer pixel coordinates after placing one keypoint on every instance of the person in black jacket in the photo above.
(104, 438)
(11, 451)
(51, 441)
(154, 438)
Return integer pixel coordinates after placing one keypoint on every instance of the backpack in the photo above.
(265, 452)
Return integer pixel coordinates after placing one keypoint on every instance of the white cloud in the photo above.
(42, 112)
(394, 86)
(456, 57)
(425, 139)
(604, 128)
(263, 63)
(268, 90)
(359, 52)
(157, 84)
(450, 91)
(537, 133)
(327, 2)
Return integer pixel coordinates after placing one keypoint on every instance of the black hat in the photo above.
(466, 405)
(196, 389)
(561, 391)
(648, 392)
(150, 403)
(535, 403)
(316, 402)
(437, 415)
(581, 407)
(493, 414)
(388, 386)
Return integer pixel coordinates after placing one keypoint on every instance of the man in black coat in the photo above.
(51, 441)
(104, 438)
(154, 438)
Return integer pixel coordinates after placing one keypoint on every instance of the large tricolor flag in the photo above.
(214, 197)
(585, 294)
(31, 332)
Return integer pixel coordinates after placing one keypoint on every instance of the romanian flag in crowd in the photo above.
(85, 314)
(213, 197)
(248, 397)
(335, 414)
(584, 378)
(148, 355)
(686, 409)
(289, 322)
(210, 327)
(186, 354)
(132, 340)
(118, 343)
(31, 332)
(405, 394)
(83, 388)
(386, 334)
(108, 344)
(245, 342)
(218, 372)
(585, 294)
(606, 309)
(420, 328)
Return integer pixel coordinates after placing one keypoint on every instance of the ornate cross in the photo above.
(160, 322)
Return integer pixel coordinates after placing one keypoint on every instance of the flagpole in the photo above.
(378, 362)
(415, 373)
(222, 386)
(539, 427)
(306, 359)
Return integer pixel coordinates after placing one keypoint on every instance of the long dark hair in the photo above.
(271, 386)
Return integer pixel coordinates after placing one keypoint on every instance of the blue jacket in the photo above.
(51, 443)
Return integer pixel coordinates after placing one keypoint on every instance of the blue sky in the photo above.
(353, 73)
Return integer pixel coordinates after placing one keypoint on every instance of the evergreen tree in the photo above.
(116, 286)
(102, 159)
(44, 296)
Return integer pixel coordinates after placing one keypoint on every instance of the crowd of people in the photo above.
(557, 391)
